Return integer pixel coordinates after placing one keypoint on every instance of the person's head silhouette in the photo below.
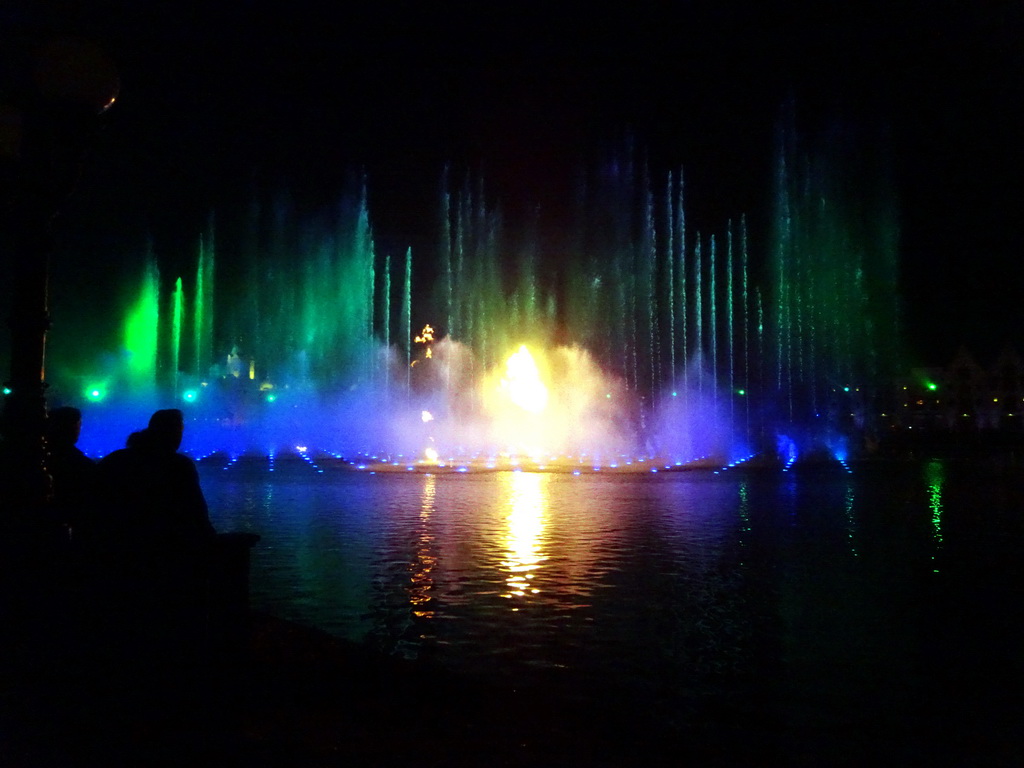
(165, 430)
(63, 426)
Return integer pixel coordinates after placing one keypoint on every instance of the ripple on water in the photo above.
(637, 581)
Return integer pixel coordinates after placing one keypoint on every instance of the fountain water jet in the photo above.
(650, 330)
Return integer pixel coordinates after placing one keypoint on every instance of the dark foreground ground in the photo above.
(294, 696)
(297, 696)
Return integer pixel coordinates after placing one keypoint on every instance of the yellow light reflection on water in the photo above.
(421, 579)
(527, 523)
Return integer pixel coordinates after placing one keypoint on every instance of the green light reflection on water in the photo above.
(744, 511)
(935, 477)
(851, 520)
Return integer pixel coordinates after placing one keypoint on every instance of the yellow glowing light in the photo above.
(431, 454)
(252, 370)
(426, 416)
(522, 382)
(426, 337)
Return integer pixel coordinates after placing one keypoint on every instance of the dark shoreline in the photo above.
(298, 696)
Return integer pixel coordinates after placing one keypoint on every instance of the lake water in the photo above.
(819, 602)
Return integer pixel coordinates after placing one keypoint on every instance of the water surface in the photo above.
(815, 601)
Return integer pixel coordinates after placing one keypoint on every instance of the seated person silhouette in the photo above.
(154, 543)
(151, 494)
(73, 473)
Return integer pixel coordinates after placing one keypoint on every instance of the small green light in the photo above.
(741, 391)
(271, 397)
(846, 389)
(95, 394)
(932, 386)
(189, 395)
(609, 395)
(7, 390)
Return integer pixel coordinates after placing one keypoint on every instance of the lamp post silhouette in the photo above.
(48, 117)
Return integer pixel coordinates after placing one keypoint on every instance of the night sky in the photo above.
(221, 99)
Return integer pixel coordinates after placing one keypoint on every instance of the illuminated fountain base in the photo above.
(555, 464)
(330, 463)
(547, 410)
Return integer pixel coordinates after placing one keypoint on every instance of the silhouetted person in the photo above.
(151, 493)
(154, 543)
(73, 473)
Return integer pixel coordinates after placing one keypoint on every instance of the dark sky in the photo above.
(220, 98)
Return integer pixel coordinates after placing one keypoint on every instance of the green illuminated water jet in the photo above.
(177, 316)
(141, 331)
(202, 320)
(834, 267)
